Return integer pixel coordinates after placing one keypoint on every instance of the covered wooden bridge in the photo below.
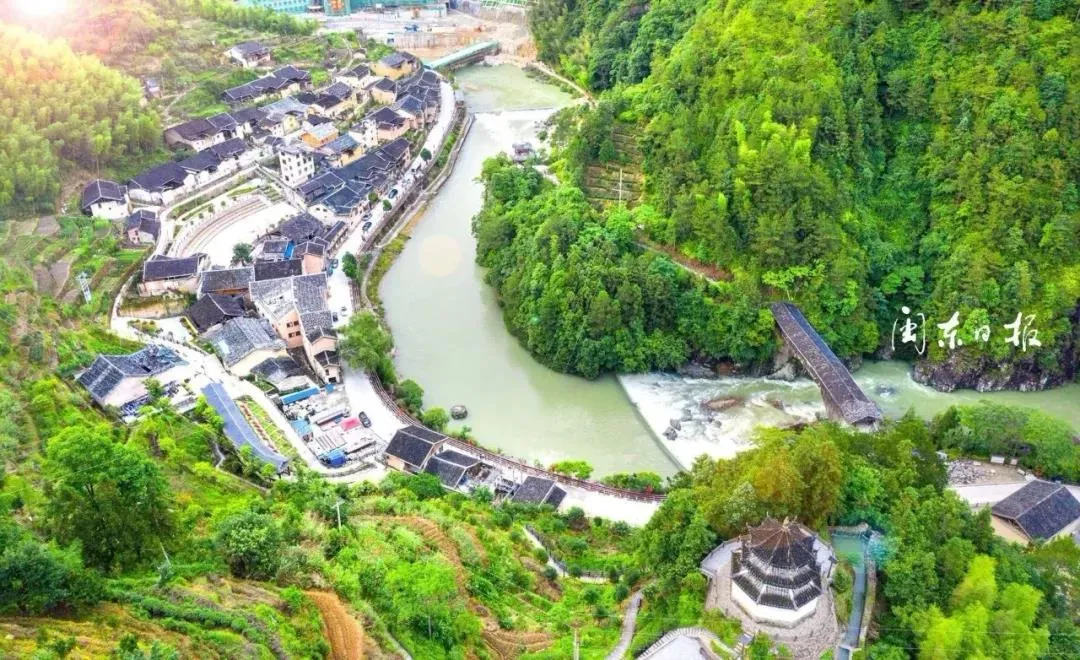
(844, 400)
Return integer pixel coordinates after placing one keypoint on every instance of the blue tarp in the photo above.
(289, 250)
(302, 427)
(335, 458)
(237, 428)
(293, 397)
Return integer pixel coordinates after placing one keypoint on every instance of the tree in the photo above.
(386, 205)
(366, 344)
(435, 418)
(107, 496)
(579, 469)
(241, 253)
(36, 578)
(410, 395)
(251, 544)
(425, 154)
(348, 266)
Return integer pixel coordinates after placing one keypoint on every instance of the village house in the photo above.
(411, 448)
(226, 281)
(272, 270)
(382, 90)
(119, 381)
(355, 77)
(317, 135)
(104, 199)
(412, 109)
(538, 490)
(200, 134)
(161, 184)
(214, 309)
(296, 308)
(389, 125)
(343, 194)
(341, 151)
(283, 373)
(243, 342)
(269, 250)
(366, 133)
(249, 54)
(1041, 510)
(142, 227)
(297, 162)
(424, 85)
(282, 82)
(396, 65)
(335, 100)
(161, 274)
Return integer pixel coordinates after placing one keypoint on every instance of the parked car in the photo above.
(364, 419)
(393, 193)
(367, 226)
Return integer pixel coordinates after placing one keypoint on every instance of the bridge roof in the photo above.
(825, 368)
(458, 55)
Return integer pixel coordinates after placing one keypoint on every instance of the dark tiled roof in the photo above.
(300, 227)
(310, 247)
(410, 104)
(251, 49)
(239, 337)
(449, 472)
(395, 60)
(159, 267)
(346, 198)
(100, 190)
(107, 371)
(276, 369)
(292, 73)
(785, 545)
(340, 144)
(307, 98)
(386, 117)
(825, 368)
(204, 161)
(226, 279)
(144, 220)
(196, 129)
(163, 177)
(223, 122)
(534, 490)
(248, 115)
(214, 308)
(1041, 509)
(327, 101)
(229, 148)
(338, 90)
(270, 270)
(413, 444)
(384, 84)
(360, 71)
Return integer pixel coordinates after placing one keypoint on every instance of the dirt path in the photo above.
(341, 629)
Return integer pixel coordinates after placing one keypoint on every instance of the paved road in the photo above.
(628, 625)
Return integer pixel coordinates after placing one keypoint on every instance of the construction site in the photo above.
(432, 30)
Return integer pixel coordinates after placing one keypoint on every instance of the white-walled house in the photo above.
(104, 199)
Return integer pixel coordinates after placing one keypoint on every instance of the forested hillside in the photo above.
(59, 111)
(855, 157)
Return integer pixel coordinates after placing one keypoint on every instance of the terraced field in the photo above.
(619, 180)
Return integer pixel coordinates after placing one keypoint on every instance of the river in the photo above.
(451, 339)
(448, 328)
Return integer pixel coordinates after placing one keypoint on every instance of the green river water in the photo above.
(450, 338)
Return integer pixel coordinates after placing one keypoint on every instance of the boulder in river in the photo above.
(723, 403)
(459, 412)
(670, 433)
(775, 402)
(675, 424)
(695, 370)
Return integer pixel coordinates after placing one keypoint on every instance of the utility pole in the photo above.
(577, 648)
(337, 505)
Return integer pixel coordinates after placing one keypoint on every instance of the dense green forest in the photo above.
(58, 111)
(948, 586)
(856, 157)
